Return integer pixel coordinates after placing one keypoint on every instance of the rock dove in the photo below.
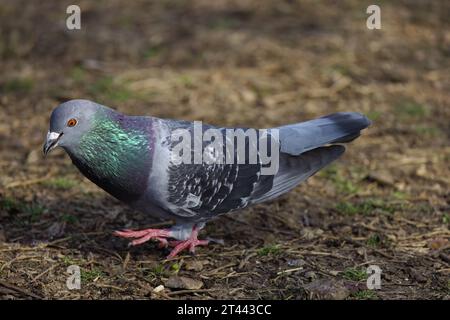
(132, 158)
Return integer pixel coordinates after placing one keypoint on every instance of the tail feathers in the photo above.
(293, 170)
(334, 128)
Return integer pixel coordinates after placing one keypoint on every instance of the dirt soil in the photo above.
(253, 63)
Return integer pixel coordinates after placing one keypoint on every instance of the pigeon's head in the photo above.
(69, 122)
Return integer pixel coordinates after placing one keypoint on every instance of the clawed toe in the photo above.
(189, 244)
(141, 236)
(161, 235)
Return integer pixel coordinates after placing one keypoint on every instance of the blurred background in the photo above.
(253, 63)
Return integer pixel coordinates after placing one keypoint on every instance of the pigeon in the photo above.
(133, 158)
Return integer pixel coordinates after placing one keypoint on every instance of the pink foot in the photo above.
(161, 235)
(190, 244)
(145, 235)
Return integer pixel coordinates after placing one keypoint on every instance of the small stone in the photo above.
(248, 96)
(416, 275)
(346, 229)
(158, 289)
(194, 265)
(361, 251)
(296, 262)
(176, 282)
(437, 243)
(311, 233)
(334, 272)
(422, 171)
(56, 229)
(381, 177)
(327, 289)
(34, 156)
(92, 64)
(311, 275)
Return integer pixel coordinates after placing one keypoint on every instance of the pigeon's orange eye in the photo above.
(72, 123)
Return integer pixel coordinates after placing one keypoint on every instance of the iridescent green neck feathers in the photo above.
(116, 155)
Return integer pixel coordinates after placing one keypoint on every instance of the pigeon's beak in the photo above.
(51, 142)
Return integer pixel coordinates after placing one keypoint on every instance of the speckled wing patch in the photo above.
(205, 190)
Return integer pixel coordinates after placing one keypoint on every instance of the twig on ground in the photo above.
(43, 273)
(174, 293)
(20, 290)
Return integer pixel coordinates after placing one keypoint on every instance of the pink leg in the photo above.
(145, 235)
(141, 236)
(190, 243)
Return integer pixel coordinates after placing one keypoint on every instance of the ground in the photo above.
(254, 63)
